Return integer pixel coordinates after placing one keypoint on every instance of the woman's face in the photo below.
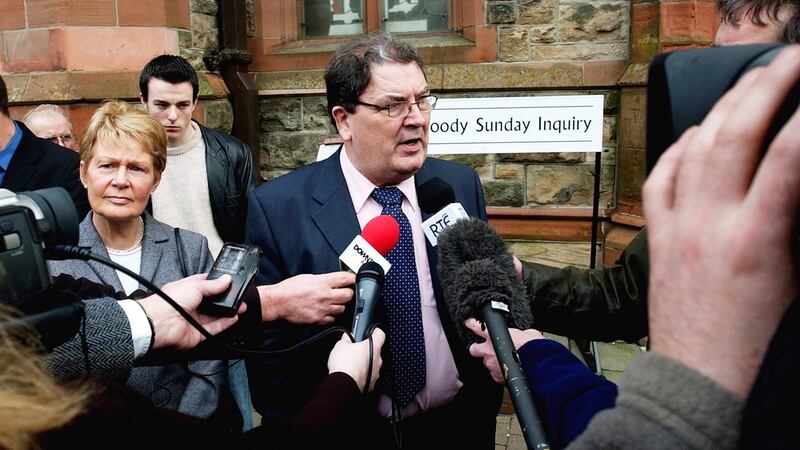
(119, 178)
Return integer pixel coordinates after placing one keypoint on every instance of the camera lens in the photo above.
(59, 221)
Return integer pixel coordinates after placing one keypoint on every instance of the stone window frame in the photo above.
(278, 45)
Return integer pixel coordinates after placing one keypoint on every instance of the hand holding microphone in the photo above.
(352, 358)
(318, 299)
(485, 350)
(365, 255)
(479, 280)
(306, 298)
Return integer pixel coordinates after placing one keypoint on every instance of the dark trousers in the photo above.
(461, 424)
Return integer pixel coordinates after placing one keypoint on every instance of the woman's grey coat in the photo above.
(193, 388)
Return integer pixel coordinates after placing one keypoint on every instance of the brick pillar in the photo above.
(656, 27)
(79, 52)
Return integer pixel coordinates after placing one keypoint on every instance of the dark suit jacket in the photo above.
(39, 164)
(193, 388)
(302, 222)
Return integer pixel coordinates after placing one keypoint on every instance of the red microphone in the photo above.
(379, 237)
(382, 233)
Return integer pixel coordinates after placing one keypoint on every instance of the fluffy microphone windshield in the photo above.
(476, 268)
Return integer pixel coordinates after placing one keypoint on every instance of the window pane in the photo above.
(324, 18)
(406, 16)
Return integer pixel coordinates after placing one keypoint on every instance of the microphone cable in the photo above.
(85, 253)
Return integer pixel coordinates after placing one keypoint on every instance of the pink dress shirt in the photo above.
(441, 376)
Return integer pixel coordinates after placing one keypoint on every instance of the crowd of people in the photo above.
(159, 194)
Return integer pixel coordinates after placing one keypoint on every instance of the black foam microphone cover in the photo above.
(476, 268)
(435, 194)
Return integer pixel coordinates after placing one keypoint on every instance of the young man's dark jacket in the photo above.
(229, 164)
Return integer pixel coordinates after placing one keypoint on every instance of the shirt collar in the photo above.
(361, 188)
(13, 144)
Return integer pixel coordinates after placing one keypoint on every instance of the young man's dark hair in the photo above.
(732, 11)
(350, 69)
(3, 98)
(170, 68)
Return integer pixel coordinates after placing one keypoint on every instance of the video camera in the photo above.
(684, 86)
(31, 225)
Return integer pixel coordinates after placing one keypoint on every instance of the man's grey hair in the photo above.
(350, 69)
(733, 11)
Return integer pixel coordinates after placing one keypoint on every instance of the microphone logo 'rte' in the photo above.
(443, 220)
(438, 226)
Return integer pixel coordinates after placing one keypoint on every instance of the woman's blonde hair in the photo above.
(116, 120)
(31, 401)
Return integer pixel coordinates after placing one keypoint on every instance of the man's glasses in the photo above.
(64, 140)
(402, 109)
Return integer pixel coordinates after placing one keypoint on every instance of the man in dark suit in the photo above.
(433, 394)
(28, 163)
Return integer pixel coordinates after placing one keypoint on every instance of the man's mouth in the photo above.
(411, 142)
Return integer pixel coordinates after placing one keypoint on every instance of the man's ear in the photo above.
(144, 102)
(341, 116)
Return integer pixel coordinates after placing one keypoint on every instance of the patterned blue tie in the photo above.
(401, 297)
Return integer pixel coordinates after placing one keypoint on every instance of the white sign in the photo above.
(556, 124)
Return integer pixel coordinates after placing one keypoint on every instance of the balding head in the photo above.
(51, 123)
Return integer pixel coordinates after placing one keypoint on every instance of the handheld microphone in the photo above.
(436, 197)
(369, 281)
(378, 238)
(479, 280)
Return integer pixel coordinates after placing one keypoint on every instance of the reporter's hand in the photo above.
(307, 299)
(353, 358)
(721, 231)
(172, 330)
(518, 268)
(485, 350)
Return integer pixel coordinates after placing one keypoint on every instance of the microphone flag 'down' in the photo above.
(378, 238)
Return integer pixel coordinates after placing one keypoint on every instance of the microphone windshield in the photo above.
(475, 267)
(434, 195)
(382, 233)
(468, 240)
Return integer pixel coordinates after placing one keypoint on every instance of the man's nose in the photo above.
(415, 117)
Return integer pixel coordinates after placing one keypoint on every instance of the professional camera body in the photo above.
(31, 225)
(679, 97)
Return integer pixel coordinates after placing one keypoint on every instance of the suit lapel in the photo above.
(24, 164)
(335, 217)
(90, 238)
(154, 238)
